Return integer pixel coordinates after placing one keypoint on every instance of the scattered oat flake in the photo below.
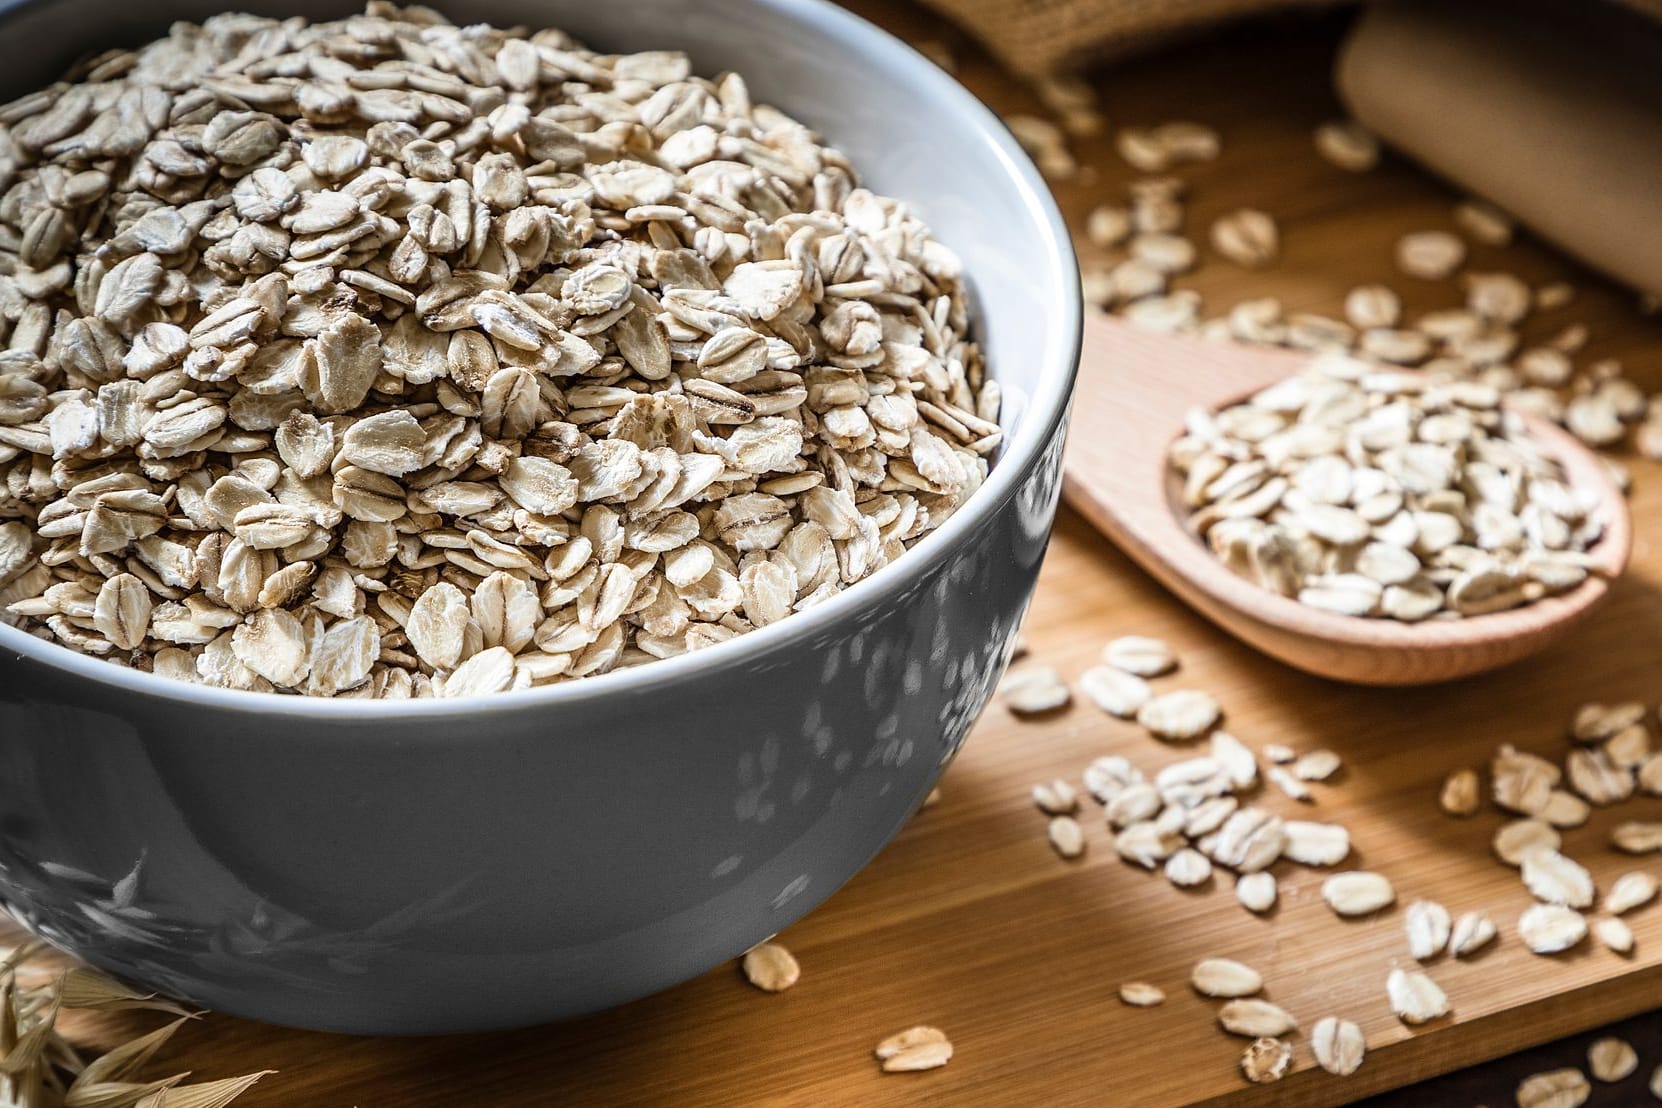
(1284, 780)
(916, 1048)
(1460, 796)
(1561, 1088)
(1255, 1018)
(1056, 798)
(1471, 933)
(1266, 1059)
(1611, 1059)
(1034, 690)
(1430, 255)
(1615, 934)
(1256, 891)
(1517, 840)
(1181, 715)
(1630, 891)
(1554, 878)
(1224, 977)
(1279, 754)
(1141, 655)
(1428, 926)
(1415, 998)
(1116, 692)
(1066, 836)
(1357, 893)
(1140, 994)
(1338, 1045)
(1348, 145)
(1637, 837)
(1564, 809)
(1484, 222)
(771, 968)
(1248, 237)
(1550, 928)
(1318, 765)
(1188, 868)
(1315, 844)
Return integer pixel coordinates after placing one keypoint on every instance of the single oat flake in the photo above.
(1338, 1045)
(1266, 1059)
(1140, 994)
(1255, 1018)
(1357, 893)
(1560, 1088)
(914, 1049)
(771, 968)
(1224, 977)
(1415, 998)
(1550, 928)
(1181, 715)
(1610, 1059)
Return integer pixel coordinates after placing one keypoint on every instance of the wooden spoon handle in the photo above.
(1135, 386)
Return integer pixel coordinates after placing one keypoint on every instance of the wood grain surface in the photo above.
(969, 922)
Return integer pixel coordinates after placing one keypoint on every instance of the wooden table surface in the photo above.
(969, 922)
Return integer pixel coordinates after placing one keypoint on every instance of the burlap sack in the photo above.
(1035, 37)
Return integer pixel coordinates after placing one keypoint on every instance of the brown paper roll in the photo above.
(1552, 112)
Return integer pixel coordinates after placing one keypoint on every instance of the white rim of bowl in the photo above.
(1046, 406)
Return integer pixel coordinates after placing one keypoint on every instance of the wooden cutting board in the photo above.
(969, 922)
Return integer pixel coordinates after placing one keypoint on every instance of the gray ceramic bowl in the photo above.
(425, 867)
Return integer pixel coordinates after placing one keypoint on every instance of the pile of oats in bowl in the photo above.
(390, 358)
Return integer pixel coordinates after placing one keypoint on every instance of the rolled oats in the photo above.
(1256, 891)
(1555, 879)
(1561, 1088)
(1067, 838)
(1141, 655)
(1358, 893)
(430, 360)
(1429, 927)
(1430, 255)
(1338, 1045)
(1517, 840)
(1369, 492)
(1630, 891)
(1614, 934)
(1188, 868)
(1223, 977)
(1255, 1019)
(1034, 690)
(1470, 933)
(1348, 145)
(915, 1049)
(1056, 798)
(771, 968)
(1637, 837)
(1460, 795)
(1266, 1059)
(1140, 994)
(1179, 716)
(1315, 844)
(1248, 237)
(1611, 1059)
(1415, 998)
(1550, 928)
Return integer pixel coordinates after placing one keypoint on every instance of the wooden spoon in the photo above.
(1135, 387)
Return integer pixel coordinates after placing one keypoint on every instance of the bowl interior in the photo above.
(910, 130)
